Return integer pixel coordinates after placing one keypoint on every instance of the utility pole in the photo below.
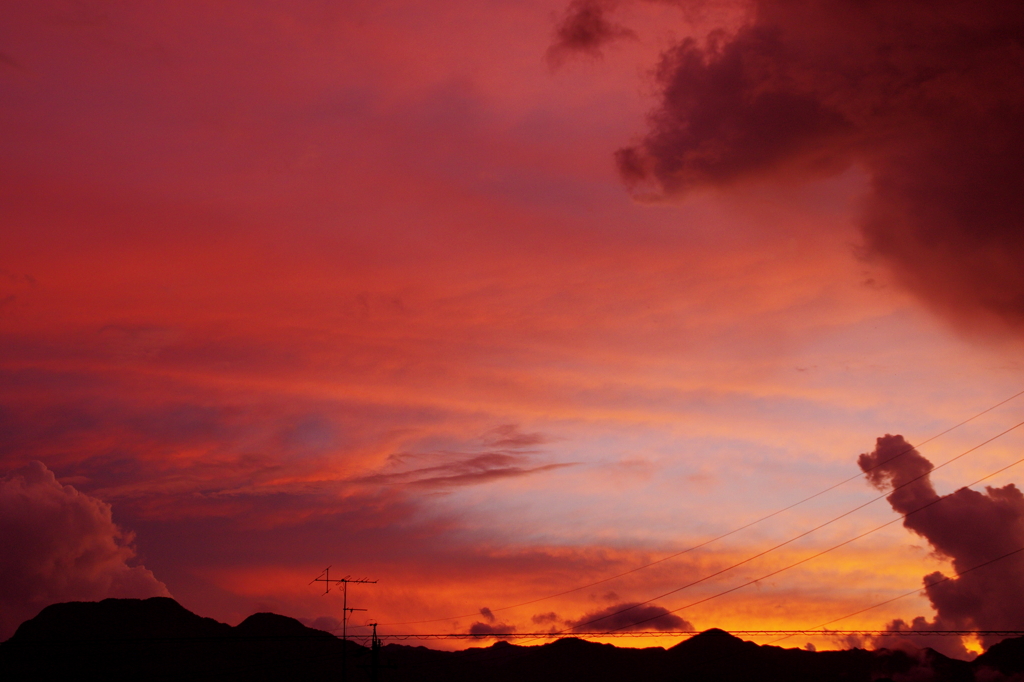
(326, 578)
(374, 654)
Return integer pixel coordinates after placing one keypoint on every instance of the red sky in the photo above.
(290, 285)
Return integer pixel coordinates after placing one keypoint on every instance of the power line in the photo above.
(729, 533)
(687, 635)
(822, 552)
(819, 628)
(808, 532)
(618, 631)
(786, 634)
(50, 642)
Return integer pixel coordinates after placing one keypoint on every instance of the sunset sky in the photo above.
(491, 299)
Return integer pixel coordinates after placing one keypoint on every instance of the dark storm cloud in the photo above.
(60, 545)
(724, 120)
(585, 27)
(630, 616)
(968, 527)
(926, 97)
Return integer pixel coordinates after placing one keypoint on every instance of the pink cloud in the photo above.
(61, 545)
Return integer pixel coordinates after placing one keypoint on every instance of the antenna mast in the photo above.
(325, 577)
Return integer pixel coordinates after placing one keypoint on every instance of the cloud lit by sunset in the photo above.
(494, 301)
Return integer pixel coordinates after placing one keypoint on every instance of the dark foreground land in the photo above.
(157, 639)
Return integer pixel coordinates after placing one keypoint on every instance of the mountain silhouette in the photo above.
(158, 639)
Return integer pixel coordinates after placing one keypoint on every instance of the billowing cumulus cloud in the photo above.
(60, 545)
(925, 97)
(627, 617)
(968, 527)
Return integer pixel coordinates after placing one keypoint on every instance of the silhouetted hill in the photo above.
(159, 617)
(157, 639)
(273, 625)
(1007, 657)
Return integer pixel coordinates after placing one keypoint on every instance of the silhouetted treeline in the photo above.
(157, 639)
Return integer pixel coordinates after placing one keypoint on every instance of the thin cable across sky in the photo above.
(829, 549)
(741, 528)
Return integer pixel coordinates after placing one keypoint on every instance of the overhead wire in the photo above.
(613, 632)
(724, 535)
(790, 633)
(824, 551)
(945, 578)
(663, 634)
(523, 651)
(823, 525)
